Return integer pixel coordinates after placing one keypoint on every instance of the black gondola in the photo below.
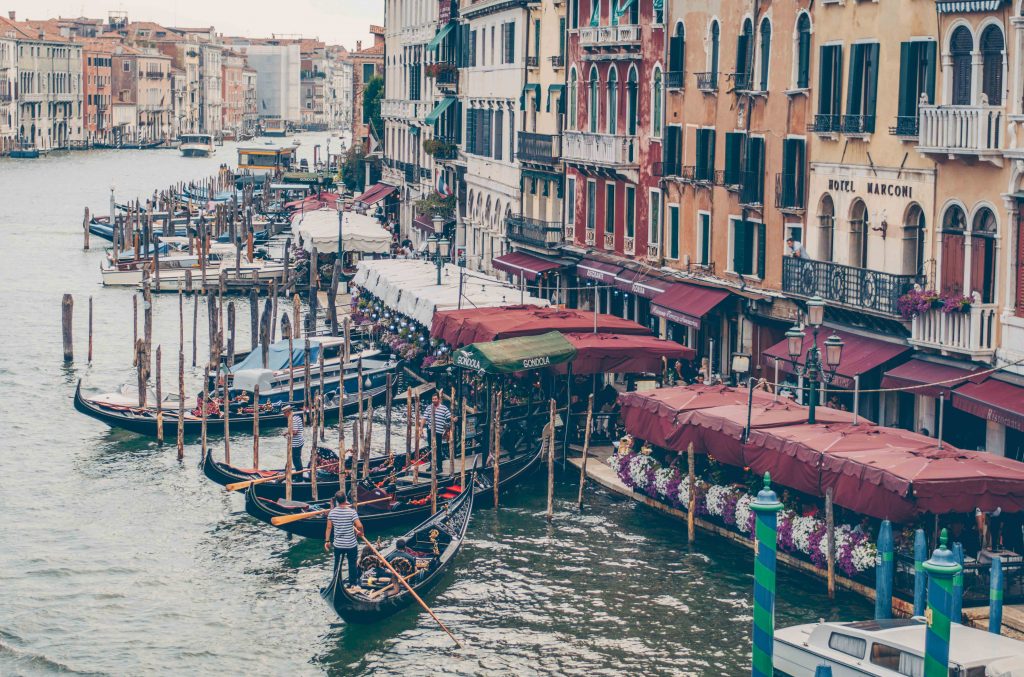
(143, 420)
(427, 554)
(224, 473)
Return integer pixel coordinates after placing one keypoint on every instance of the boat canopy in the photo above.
(277, 357)
(360, 233)
(247, 380)
(524, 353)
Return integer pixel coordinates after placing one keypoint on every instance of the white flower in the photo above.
(661, 479)
(638, 470)
(717, 497)
(743, 512)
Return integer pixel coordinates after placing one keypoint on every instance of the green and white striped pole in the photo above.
(766, 507)
(941, 569)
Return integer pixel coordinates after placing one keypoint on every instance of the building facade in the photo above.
(96, 87)
(232, 91)
(48, 90)
(367, 63)
(277, 65)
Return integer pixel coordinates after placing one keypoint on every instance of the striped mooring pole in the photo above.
(941, 569)
(956, 612)
(920, 580)
(766, 507)
(995, 597)
(884, 571)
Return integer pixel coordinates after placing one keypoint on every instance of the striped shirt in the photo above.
(343, 519)
(297, 431)
(438, 420)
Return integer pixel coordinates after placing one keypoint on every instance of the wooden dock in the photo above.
(1013, 619)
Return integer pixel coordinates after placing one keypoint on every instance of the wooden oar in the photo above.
(236, 486)
(411, 591)
(288, 519)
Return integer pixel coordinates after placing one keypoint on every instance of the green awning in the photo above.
(436, 42)
(523, 353)
(441, 107)
(556, 89)
(618, 13)
(532, 87)
(414, 130)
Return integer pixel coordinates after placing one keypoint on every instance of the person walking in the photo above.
(298, 440)
(438, 419)
(344, 521)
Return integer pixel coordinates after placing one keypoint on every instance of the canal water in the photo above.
(117, 559)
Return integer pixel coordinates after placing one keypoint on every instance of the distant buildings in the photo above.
(278, 70)
(366, 64)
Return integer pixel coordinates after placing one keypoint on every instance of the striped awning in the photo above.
(533, 88)
(433, 44)
(966, 6)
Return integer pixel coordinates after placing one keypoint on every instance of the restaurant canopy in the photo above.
(993, 400)
(527, 265)
(860, 354)
(462, 327)
(320, 200)
(926, 377)
(623, 353)
(360, 233)
(882, 472)
(375, 194)
(686, 304)
(523, 353)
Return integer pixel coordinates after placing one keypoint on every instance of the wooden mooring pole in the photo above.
(830, 530)
(67, 311)
(691, 506)
(586, 450)
(551, 461)
(159, 399)
(90, 330)
(256, 427)
(181, 403)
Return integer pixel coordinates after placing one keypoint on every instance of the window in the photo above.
(609, 208)
(891, 658)
(862, 88)
(794, 154)
(830, 78)
(574, 13)
(472, 48)
(659, 11)
(613, 101)
(673, 232)
(992, 65)
(713, 55)
(498, 116)
(743, 55)
(704, 238)
(570, 208)
(766, 49)
(860, 223)
(368, 72)
(847, 644)
(508, 42)
(126, 66)
(654, 218)
(593, 112)
(677, 53)
(752, 187)
(917, 77)
(954, 223)
(913, 241)
(573, 93)
(631, 93)
(591, 204)
(803, 51)
(536, 39)
(735, 143)
(983, 255)
(748, 247)
(672, 150)
(630, 215)
(961, 44)
(705, 168)
(657, 96)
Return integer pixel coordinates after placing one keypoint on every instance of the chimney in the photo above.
(11, 16)
(359, 45)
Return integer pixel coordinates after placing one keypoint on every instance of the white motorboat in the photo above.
(196, 145)
(174, 261)
(890, 648)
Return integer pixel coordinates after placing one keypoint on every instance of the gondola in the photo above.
(386, 514)
(428, 552)
(143, 420)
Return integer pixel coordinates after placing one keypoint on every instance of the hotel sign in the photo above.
(862, 186)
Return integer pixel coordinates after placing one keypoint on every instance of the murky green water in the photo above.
(117, 559)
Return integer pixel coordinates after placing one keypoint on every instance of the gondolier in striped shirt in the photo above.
(298, 440)
(438, 420)
(344, 521)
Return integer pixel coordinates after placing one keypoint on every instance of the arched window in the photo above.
(766, 51)
(860, 225)
(954, 223)
(826, 227)
(913, 241)
(992, 65)
(631, 93)
(657, 96)
(983, 255)
(613, 101)
(677, 53)
(593, 112)
(961, 44)
(743, 55)
(573, 93)
(713, 52)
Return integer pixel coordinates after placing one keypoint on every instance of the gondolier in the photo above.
(298, 440)
(438, 419)
(344, 520)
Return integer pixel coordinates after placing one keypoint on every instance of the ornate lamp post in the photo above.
(813, 369)
(438, 222)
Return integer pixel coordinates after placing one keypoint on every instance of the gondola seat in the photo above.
(292, 505)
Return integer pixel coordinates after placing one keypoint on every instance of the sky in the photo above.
(333, 21)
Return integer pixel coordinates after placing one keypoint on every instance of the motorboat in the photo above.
(196, 145)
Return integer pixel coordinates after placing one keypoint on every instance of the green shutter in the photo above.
(803, 76)
(855, 80)
(825, 80)
(734, 145)
(760, 250)
(471, 131)
(871, 53)
(908, 78)
(927, 54)
(739, 242)
(705, 238)
(673, 230)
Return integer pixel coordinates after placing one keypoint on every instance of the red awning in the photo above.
(527, 265)
(860, 354)
(597, 270)
(463, 327)
(376, 193)
(686, 304)
(623, 354)
(919, 375)
(640, 284)
(992, 400)
(424, 224)
(313, 202)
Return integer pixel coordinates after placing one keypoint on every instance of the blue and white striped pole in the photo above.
(956, 611)
(884, 572)
(823, 671)
(941, 569)
(995, 597)
(766, 508)
(920, 578)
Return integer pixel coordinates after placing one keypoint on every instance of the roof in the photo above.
(524, 353)
(521, 263)
(471, 325)
(917, 374)
(993, 400)
(686, 304)
(861, 354)
(624, 354)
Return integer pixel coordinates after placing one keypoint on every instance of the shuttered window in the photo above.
(677, 50)
(471, 131)
(917, 75)
(953, 244)
(705, 169)
(1019, 263)
(630, 216)
(743, 55)
(992, 65)
(705, 238)
(673, 236)
(961, 44)
(830, 76)
(793, 160)
(803, 52)
(508, 42)
(734, 146)
(862, 90)
(743, 243)
(753, 167)
(672, 150)
(609, 208)
(766, 50)
(498, 127)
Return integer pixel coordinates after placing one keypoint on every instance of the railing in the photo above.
(534, 232)
(410, 173)
(751, 188)
(906, 125)
(628, 245)
(609, 240)
(789, 191)
(861, 288)
(675, 79)
(654, 250)
(825, 123)
(858, 124)
(741, 81)
(557, 61)
(971, 332)
(570, 233)
(543, 148)
(589, 237)
(961, 129)
(728, 178)
(155, 74)
(668, 168)
(707, 82)
(700, 173)
(599, 149)
(532, 62)
(627, 35)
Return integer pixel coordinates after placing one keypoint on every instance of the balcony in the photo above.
(858, 125)
(962, 130)
(610, 37)
(859, 288)
(155, 75)
(707, 82)
(751, 189)
(589, 237)
(728, 178)
(616, 151)
(609, 241)
(410, 174)
(741, 82)
(557, 61)
(654, 251)
(970, 333)
(826, 124)
(629, 245)
(570, 234)
(789, 192)
(523, 229)
(906, 126)
(675, 79)
(540, 148)
(533, 62)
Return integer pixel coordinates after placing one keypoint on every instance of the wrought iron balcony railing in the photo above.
(532, 62)
(906, 125)
(860, 288)
(751, 188)
(542, 148)
(858, 124)
(789, 192)
(675, 79)
(825, 123)
(533, 231)
(707, 82)
(557, 61)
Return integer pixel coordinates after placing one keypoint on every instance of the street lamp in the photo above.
(813, 369)
(438, 222)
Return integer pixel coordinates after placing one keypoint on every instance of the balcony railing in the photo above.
(700, 173)
(570, 233)
(860, 288)
(906, 125)
(609, 241)
(629, 245)
(858, 124)
(728, 178)
(410, 173)
(557, 61)
(741, 81)
(609, 150)
(675, 79)
(532, 62)
(789, 192)
(970, 333)
(654, 250)
(533, 232)
(825, 123)
(751, 188)
(965, 130)
(589, 237)
(707, 82)
(542, 148)
(624, 35)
